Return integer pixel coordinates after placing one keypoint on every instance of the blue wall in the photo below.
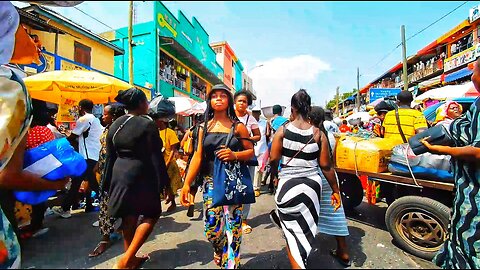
(144, 54)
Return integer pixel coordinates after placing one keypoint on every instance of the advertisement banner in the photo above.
(460, 59)
(474, 13)
(67, 110)
(64, 65)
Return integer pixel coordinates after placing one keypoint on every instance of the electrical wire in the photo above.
(417, 33)
(92, 17)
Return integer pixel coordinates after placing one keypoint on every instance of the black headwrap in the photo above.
(131, 98)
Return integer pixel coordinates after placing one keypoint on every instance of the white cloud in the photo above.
(279, 78)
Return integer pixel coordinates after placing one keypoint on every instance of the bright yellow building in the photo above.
(66, 44)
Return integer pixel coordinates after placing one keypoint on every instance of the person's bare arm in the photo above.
(467, 153)
(186, 199)
(184, 139)
(326, 165)
(276, 153)
(256, 135)
(13, 176)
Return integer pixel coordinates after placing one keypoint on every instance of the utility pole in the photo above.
(337, 97)
(404, 56)
(130, 43)
(358, 89)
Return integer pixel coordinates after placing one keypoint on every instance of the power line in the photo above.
(441, 18)
(417, 33)
(92, 17)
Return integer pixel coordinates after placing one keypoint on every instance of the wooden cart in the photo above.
(418, 213)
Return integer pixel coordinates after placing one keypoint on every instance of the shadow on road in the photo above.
(260, 220)
(319, 257)
(370, 215)
(195, 251)
(73, 233)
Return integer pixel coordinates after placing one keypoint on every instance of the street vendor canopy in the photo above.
(446, 92)
(75, 85)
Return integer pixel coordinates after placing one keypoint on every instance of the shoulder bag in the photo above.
(438, 134)
(399, 125)
(232, 181)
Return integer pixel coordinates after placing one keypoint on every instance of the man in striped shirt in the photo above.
(411, 121)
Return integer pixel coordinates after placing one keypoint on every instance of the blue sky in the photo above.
(314, 45)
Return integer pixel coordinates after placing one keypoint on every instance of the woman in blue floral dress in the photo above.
(462, 248)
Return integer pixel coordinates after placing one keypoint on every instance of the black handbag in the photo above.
(438, 134)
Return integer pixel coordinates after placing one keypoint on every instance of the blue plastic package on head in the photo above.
(53, 160)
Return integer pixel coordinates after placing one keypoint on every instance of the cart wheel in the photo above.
(418, 225)
(351, 190)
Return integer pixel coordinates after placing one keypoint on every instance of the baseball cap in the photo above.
(256, 108)
(9, 21)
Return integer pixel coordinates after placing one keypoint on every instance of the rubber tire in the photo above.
(434, 208)
(351, 190)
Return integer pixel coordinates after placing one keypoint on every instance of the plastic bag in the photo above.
(54, 160)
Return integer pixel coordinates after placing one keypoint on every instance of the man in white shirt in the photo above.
(261, 148)
(88, 131)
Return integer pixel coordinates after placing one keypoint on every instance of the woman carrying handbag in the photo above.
(222, 222)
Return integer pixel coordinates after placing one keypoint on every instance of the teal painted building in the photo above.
(172, 55)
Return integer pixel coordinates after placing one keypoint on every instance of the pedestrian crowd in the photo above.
(131, 156)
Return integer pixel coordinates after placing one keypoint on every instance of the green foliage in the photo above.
(332, 103)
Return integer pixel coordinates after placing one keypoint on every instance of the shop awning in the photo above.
(464, 72)
(427, 48)
(431, 82)
(461, 26)
(189, 59)
(365, 89)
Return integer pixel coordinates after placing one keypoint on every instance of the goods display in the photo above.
(357, 153)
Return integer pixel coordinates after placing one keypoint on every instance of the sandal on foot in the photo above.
(191, 208)
(343, 262)
(142, 260)
(246, 229)
(97, 251)
(172, 207)
(217, 259)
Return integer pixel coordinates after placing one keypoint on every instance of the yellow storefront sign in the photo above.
(65, 65)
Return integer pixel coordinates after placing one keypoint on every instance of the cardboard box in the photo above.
(370, 155)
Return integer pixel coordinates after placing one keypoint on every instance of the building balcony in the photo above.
(426, 72)
(198, 93)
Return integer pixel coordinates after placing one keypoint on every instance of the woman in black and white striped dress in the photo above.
(302, 148)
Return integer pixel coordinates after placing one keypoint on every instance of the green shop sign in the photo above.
(190, 35)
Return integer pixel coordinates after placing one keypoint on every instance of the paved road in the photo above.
(178, 242)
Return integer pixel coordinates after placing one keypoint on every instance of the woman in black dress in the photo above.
(135, 174)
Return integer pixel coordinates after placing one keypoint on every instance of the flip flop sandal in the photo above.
(145, 258)
(217, 259)
(246, 229)
(346, 263)
(95, 252)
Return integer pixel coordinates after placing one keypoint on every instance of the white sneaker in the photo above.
(40, 232)
(59, 211)
(96, 223)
